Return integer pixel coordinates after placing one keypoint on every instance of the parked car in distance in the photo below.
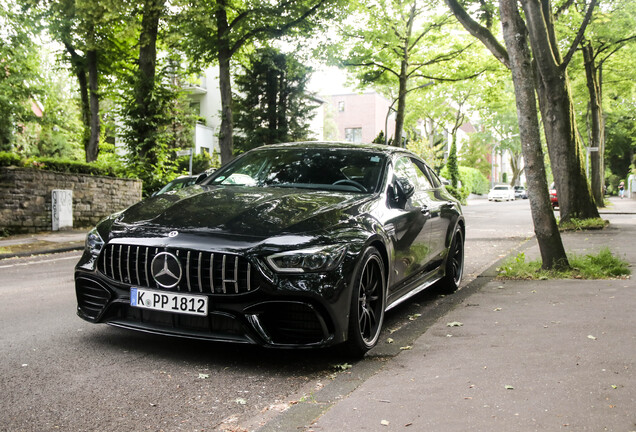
(178, 183)
(185, 181)
(501, 193)
(553, 196)
(289, 245)
(521, 192)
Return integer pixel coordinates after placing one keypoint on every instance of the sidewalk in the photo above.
(520, 356)
(42, 243)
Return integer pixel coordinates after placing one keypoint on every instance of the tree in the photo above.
(217, 31)
(272, 104)
(19, 74)
(609, 33)
(94, 36)
(517, 57)
(395, 46)
(555, 98)
(144, 109)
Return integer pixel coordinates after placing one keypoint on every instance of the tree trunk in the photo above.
(545, 227)
(225, 84)
(597, 162)
(78, 65)
(401, 105)
(92, 146)
(515, 166)
(145, 86)
(555, 101)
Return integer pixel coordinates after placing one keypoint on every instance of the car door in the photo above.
(409, 219)
(441, 208)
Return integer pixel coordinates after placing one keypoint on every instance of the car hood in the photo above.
(238, 211)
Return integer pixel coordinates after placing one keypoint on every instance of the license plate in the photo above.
(169, 302)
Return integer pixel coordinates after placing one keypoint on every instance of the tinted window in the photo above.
(406, 168)
(313, 168)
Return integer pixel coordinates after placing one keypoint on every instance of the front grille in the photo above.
(91, 297)
(203, 272)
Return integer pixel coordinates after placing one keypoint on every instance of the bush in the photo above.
(61, 165)
(471, 178)
(9, 159)
(459, 193)
(474, 180)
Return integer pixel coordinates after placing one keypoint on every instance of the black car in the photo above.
(291, 245)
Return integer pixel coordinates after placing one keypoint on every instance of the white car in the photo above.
(501, 193)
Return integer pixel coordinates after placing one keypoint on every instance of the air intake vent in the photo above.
(92, 298)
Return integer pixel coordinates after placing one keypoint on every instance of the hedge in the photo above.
(60, 165)
(472, 179)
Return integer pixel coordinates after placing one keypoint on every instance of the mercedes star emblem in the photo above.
(166, 269)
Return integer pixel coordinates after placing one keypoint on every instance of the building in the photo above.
(205, 99)
(361, 117)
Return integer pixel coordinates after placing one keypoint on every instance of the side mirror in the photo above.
(404, 188)
(399, 192)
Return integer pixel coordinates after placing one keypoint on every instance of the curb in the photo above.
(41, 252)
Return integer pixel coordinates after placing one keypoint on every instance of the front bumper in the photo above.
(245, 305)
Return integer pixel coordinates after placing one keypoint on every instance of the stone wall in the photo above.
(25, 198)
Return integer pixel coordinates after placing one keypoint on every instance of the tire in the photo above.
(368, 301)
(454, 264)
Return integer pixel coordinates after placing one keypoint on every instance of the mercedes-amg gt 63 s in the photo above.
(290, 245)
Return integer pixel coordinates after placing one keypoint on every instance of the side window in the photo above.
(406, 168)
(428, 179)
(434, 179)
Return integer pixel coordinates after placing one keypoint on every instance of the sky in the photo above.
(329, 80)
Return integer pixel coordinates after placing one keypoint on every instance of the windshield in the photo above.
(501, 188)
(353, 170)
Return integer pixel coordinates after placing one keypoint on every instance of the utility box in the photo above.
(61, 209)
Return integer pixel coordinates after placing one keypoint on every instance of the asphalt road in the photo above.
(58, 372)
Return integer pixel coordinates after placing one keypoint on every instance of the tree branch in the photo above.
(579, 36)
(479, 31)
(367, 64)
(273, 30)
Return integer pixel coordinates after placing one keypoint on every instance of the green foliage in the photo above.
(433, 154)
(460, 193)
(575, 224)
(19, 73)
(603, 265)
(200, 163)
(471, 179)
(451, 164)
(154, 131)
(62, 165)
(272, 105)
(474, 152)
(474, 180)
(380, 139)
(10, 159)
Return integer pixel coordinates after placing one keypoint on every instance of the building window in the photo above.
(341, 106)
(353, 135)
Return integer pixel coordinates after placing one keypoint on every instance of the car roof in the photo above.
(338, 145)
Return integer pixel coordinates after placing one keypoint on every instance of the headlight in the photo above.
(307, 260)
(94, 242)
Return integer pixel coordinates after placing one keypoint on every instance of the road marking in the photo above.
(39, 262)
